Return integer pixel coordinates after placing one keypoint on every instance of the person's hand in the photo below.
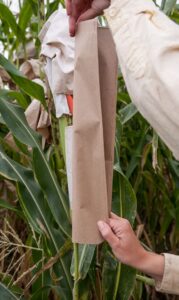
(127, 248)
(81, 10)
(122, 239)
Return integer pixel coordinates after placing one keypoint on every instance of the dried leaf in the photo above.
(31, 68)
(30, 51)
(4, 75)
(37, 119)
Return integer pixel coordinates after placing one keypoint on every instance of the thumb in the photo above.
(108, 234)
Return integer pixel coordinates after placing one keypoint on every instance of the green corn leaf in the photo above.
(6, 294)
(63, 123)
(86, 257)
(7, 16)
(67, 288)
(137, 154)
(34, 6)
(2, 121)
(34, 205)
(31, 197)
(15, 120)
(29, 87)
(128, 201)
(85, 254)
(6, 205)
(126, 195)
(127, 113)
(126, 283)
(108, 275)
(61, 292)
(51, 8)
(124, 205)
(168, 6)
(56, 198)
(14, 95)
(25, 15)
(41, 292)
(33, 201)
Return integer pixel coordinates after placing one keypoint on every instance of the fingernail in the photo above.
(101, 225)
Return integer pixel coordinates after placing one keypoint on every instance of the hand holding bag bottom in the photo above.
(95, 89)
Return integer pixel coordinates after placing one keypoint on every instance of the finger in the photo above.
(107, 234)
(72, 25)
(116, 226)
(120, 226)
(89, 14)
(114, 216)
(75, 7)
(68, 5)
(100, 5)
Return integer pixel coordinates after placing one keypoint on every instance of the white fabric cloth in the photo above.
(147, 44)
(60, 101)
(170, 281)
(59, 49)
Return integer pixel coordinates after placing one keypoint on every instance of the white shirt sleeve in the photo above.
(170, 281)
(147, 44)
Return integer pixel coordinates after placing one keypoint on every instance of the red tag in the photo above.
(70, 103)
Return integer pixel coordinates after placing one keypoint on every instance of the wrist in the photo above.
(151, 264)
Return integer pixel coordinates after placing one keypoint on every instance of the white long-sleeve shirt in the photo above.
(147, 44)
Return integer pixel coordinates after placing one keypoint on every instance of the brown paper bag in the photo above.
(95, 87)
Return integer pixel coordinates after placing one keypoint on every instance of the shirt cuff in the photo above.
(170, 280)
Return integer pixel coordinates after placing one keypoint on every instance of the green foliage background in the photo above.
(37, 257)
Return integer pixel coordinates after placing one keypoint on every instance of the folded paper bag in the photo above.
(95, 87)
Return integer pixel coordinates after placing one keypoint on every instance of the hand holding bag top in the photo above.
(95, 89)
